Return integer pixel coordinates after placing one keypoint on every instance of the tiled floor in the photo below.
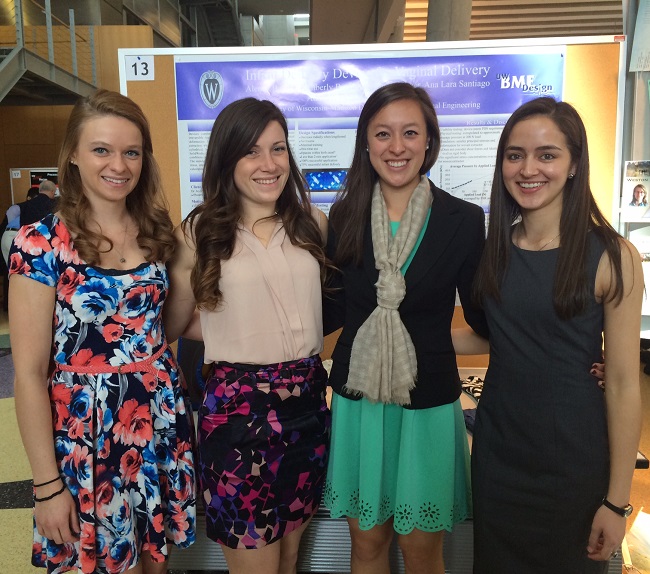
(15, 485)
(15, 488)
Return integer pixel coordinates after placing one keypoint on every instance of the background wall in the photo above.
(31, 136)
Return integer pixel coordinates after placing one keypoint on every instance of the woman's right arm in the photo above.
(31, 308)
(467, 342)
(180, 303)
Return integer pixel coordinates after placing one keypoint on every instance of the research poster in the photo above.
(321, 94)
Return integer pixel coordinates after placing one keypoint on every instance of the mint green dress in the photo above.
(386, 461)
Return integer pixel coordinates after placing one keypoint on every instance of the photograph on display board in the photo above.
(635, 200)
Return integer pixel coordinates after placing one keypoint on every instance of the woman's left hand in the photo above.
(607, 532)
(598, 371)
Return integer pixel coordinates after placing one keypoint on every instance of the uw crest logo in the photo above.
(211, 87)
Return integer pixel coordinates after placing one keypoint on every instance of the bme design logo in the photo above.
(523, 83)
(211, 88)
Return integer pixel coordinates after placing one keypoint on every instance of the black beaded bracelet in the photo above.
(51, 496)
(48, 482)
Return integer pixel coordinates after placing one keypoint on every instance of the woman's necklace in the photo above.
(543, 246)
(120, 252)
(549, 242)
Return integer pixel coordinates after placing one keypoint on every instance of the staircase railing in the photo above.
(30, 25)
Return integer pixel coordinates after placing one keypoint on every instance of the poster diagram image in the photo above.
(325, 179)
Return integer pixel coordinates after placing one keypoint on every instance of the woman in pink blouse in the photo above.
(251, 258)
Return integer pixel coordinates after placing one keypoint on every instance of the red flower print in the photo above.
(112, 332)
(79, 463)
(104, 493)
(87, 555)
(17, 265)
(132, 323)
(63, 555)
(85, 357)
(134, 426)
(157, 522)
(179, 525)
(39, 556)
(62, 244)
(31, 241)
(60, 396)
(86, 501)
(120, 555)
(154, 552)
(68, 282)
(151, 380)
(130, 465)
(134, 310)
(105, 451)
(76, 427)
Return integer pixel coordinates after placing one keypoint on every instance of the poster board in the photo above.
(22, 179)
(474, 85)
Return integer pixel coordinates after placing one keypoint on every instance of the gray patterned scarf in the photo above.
(383, 366)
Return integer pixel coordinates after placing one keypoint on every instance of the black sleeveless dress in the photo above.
(540, 461)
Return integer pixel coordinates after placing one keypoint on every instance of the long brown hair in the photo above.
(213, 224)
(580, 214)
(350, 210)
(146, 203)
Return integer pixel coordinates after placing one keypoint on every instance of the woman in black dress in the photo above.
(553, 455)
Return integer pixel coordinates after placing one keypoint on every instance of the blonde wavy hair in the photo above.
(146, 202)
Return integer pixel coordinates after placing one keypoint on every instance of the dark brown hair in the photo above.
(580, 214)
(350, 210)
(213, 224)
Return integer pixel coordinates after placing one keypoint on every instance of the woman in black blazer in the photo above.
(399, 459)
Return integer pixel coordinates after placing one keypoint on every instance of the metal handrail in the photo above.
(66, 45)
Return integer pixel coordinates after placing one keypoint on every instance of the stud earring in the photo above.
(427, 146)
(571, 175)
(367, 149)
(72, 162)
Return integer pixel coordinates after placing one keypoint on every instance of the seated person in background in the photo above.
(11, 224)
(8, 230)
(37, 208)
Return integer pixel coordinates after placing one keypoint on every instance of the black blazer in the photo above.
(446, 260)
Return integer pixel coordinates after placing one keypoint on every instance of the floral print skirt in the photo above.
(263, 443)
(123, 443)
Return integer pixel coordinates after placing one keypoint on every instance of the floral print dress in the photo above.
(123, 440)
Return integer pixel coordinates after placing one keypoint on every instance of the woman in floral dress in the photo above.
(106, 426)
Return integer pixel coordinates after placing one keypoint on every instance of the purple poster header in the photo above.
(473, 85)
